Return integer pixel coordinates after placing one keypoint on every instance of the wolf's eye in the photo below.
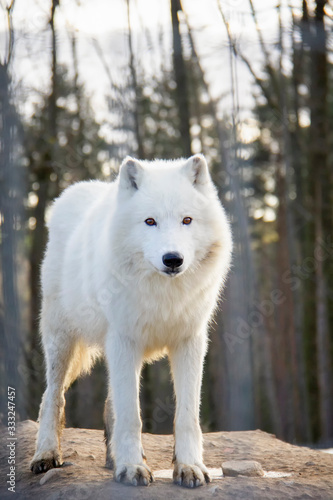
(150, 222)
(187, 221)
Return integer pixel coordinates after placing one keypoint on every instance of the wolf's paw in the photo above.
(190, 476)
(44, 462)
(136, 475)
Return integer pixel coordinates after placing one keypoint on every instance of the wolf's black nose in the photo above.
(173, 260)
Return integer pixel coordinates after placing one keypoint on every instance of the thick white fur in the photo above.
(105, 290)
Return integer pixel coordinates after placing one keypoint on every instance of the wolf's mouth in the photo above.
(173, 273)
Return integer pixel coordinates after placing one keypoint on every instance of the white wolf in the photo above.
(133, 269)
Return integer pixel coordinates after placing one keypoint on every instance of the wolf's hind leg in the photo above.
(63, 361)
(108, 426)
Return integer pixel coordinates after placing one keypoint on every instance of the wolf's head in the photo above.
(169, 213)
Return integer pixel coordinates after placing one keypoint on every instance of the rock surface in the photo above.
(49, 475)
(235, 468)
(299, 473)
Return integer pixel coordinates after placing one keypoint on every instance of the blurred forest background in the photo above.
(253, 92)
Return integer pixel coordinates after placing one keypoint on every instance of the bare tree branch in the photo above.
(270, 99)
(263, 46)
(103, 60)
(10, 40)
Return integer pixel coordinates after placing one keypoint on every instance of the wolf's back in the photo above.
(68, 212)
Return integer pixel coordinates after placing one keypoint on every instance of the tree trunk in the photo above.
(11, 219)
(181, 79)
(285, 347)
(232, 380)
(321, 193)
(38, 236)
(136, 113)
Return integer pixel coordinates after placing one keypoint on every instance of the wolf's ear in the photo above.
(197, 170)
(130, 174)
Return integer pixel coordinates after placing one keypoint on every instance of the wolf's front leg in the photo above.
(187, 364)
(124, 361)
